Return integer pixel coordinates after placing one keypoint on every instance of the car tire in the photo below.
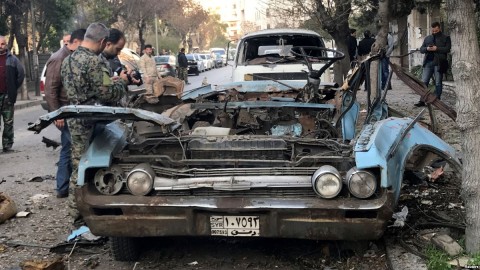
(124, 248)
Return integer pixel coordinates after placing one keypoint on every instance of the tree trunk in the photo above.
(466, 73)
(380, 43)
(141, 26)
(340, 68)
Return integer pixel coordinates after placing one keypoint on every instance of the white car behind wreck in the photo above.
(251, 159)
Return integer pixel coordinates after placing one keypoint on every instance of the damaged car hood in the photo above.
(97, 112)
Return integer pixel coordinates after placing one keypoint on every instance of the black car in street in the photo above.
(193, 63)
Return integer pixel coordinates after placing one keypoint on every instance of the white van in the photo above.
(265, 54)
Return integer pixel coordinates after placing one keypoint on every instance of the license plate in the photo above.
(235, 225)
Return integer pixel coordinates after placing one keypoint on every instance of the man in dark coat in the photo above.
(365, 45)
(352, 44)
(11, 78)
(435, 47)
(182, 66)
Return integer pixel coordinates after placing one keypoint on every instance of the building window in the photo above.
(267, 13)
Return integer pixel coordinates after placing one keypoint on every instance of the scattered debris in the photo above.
(55, 264)
(193, 263)
(455, 205)
(445, 242)
(433, 176)
(426, 202)
(84, 233)
(3, 180)
(8, 207)
(400, 217)
(3, 248)
(50, 143)
(22, 214)
(41, 178)
(204, 81)
(38, 197)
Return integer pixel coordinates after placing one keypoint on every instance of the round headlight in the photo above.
(362, 184)
(326, 182)
(140, 179)
(109, 181)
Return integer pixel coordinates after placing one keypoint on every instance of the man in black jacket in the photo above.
(352, 44)
(435, 47)
(182, 66)
(11, 77)
(365, 45)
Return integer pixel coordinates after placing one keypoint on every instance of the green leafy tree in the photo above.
(51, 20)
(184, 17)
(211, 33)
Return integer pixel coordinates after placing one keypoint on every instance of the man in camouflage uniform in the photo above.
(87, 81)
(149, 68)
(182, 66)
(11, 77)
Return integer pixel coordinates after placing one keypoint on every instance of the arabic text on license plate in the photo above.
(235, 225)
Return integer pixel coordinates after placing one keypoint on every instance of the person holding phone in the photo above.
(435, 47)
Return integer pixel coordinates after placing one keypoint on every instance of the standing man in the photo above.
(11, 78)
(365, 45)
(87, 81)
(57, 97)
(148, 66)
(435, 63)
(352, 45)
(115, 42)
(182, 66)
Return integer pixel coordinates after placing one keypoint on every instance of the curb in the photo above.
(25, 104)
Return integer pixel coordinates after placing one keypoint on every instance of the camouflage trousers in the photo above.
(6, 113)
(183, 74)
(149, 85)
(81, 131)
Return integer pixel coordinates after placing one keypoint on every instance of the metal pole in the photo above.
(35, 55)
(156, 35)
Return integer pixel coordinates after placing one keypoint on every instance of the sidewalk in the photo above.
(31, 100)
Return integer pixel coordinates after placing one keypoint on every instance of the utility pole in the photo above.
(156, 35)
(34, 50)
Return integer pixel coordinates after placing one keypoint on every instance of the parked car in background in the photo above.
(203, 58)
(222, 53)
(202, 63)
(217, 60)
(166, 65)
(194, 64)
(208, 60)
(129, 58)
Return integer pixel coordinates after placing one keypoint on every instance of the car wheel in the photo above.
(124, 248)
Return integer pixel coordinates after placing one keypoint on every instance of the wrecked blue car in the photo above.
(250, 159)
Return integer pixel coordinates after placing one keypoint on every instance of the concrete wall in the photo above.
(418, 28)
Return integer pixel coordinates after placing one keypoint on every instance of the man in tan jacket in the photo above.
(148, 67)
